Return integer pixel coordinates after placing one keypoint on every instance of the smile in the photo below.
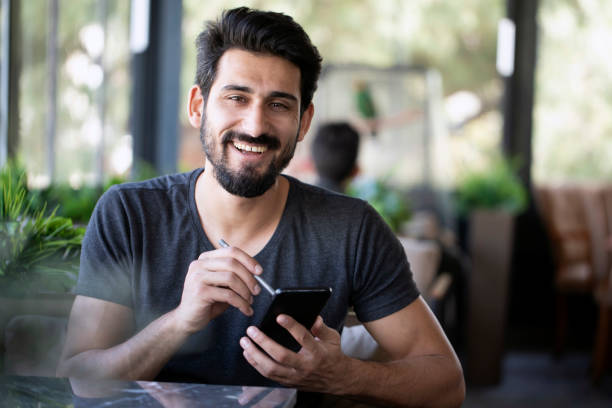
(249, 148)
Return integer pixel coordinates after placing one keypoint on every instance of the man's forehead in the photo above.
(239, 67)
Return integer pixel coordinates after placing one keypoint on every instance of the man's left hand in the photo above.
(319, 366)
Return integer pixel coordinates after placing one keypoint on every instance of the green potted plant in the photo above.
(488, 199)
(392, 206)
(494, 187)
(77, 204)
(39, 254)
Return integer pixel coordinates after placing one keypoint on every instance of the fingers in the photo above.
(322, 331)
(208, 293)
(202, 284)
(245, 259)
(226, 260)
(263, 363)
(315, 367)
(310, 339)
(235, 260)
(213, 275)
(228, 297)
(304, 337)
(279, 353)
(215, 281)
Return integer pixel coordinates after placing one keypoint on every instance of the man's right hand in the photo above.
(101, 343)
(215, 281)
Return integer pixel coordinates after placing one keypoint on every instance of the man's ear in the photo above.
(305, 122)
(195, 106)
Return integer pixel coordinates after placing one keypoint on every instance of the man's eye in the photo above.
(237, 98)
(278, 106)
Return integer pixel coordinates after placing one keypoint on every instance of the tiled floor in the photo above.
(533, 379)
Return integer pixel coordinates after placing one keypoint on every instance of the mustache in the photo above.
(263, 140)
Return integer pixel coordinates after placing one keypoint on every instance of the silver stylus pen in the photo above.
(257, 277)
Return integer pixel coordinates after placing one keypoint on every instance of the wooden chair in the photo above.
(563, 212)
(598, 202)
(602, 347)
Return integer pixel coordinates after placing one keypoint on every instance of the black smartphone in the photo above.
(303, 304)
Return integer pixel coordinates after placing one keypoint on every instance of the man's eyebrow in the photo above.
(273, 94)
(285, 95)
(240, 88)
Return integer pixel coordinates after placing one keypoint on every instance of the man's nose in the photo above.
(255, 121)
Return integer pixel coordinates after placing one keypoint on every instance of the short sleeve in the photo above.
(106, 258)
(382, 283)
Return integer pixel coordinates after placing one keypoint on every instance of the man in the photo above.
(158, 298)
(334, 153)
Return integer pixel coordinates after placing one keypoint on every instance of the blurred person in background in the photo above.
(334, 152)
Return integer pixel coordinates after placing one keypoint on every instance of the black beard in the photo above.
(245, 182)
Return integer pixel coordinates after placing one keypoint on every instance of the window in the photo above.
(573, 97)
(74, 90)
(453, 42)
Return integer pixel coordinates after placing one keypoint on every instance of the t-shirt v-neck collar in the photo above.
(205, 243)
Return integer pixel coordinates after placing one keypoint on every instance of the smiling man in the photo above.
(158, 298)
(263, 143)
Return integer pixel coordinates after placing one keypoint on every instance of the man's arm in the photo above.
(423, 369)
(101, 343)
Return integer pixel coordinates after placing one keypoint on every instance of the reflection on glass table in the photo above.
(61, 392)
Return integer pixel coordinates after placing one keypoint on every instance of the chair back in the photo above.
(563, 212)
(597, 217)
(424, 258)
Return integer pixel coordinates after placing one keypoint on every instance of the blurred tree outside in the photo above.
(92, 98)
(458, 39)
(573, 100)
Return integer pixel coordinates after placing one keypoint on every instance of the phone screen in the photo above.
(303, 304)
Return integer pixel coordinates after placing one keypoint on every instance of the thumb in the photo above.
(321, 330)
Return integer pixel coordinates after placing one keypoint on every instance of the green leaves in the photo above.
(495, 187)
(389, 203)
(38, 252)
(76, 204)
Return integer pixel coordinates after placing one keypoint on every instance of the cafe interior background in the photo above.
(485, 143)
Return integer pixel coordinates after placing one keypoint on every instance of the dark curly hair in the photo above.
(262, 32)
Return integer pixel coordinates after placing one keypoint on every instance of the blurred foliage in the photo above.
(84, 108)
(494, 187)
(459, 39)
(39, 252)
(76, 204)
(573, 90)
(573, 97)
(392, 206)
(456, 38)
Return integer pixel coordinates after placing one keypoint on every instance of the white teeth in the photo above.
(248, 148)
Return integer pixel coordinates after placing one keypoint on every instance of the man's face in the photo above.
(251, 122)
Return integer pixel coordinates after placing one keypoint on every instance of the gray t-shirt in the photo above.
(143, 236)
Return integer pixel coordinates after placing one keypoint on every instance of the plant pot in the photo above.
(56, 305)
(490, 240)
(48, 304)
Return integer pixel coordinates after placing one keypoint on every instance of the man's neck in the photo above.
(247, 223)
